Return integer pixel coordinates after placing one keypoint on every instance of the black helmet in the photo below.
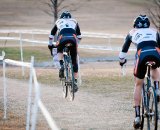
(141, 21)
(65, 14)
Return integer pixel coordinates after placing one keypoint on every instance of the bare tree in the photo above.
(55, 6)
(154, 13)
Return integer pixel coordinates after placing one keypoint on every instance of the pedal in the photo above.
(145, 114)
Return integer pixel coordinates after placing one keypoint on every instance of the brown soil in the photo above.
(92, 108)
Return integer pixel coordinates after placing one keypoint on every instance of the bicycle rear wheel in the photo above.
(153, 109)
(65, 80)
(71, 87)
(69, 78)
(65, 89)
(142, 107)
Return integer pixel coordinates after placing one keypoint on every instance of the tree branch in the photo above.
(154, 14)
(61, 1)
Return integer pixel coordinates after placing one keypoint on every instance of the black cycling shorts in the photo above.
(68, 36)
(144, 55)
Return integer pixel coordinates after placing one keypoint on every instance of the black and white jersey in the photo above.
(64, 24)
(144, 34)
(137, 37)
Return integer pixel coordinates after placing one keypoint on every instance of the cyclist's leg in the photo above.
(155, 74)
(155, 71)
(60, 58)
(74, 61)
(137, 91)
(73, 51)
(156, 77)
(137, 101)
(139, 73)
(61, 62)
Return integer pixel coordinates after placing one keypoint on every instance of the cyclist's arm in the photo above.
(158, 39)
(54, 30)
(51, 38)
(125, 47)
(78, 32)
(52, 34)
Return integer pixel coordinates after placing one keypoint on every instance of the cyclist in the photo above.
(68, 31)
(147, 41)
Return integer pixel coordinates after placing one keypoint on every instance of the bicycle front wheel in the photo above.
(153, 109)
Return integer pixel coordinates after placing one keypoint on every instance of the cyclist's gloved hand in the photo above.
(50, 46)
(79, 38)
(122, 62)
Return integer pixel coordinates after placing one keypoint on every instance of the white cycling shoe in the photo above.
(137, 123)
(158, 92)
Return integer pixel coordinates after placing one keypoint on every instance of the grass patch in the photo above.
(40, 53)
(44, 76)
(99, 81)
(108, 84)
(11, 53)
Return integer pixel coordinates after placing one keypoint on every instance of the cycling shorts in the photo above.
(144, 55)
(68, 36)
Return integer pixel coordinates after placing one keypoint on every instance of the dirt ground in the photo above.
(92, 108)
(103, 102)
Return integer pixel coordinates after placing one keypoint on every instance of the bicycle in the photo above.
(149, 107)
(68, 80)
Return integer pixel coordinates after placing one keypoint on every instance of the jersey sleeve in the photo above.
(158, 39)
(127, 43)
(78, 32)
(125, 47)
(54, 30)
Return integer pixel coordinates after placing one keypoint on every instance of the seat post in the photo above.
(149, 67)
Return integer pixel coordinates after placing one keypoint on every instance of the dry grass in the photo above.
(12, 123)
(92, 74)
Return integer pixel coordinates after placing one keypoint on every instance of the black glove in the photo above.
(50, 48)
(122, 63)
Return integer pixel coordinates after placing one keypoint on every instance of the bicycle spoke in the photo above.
(71, 77)
(152, 115)
(142, 108)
